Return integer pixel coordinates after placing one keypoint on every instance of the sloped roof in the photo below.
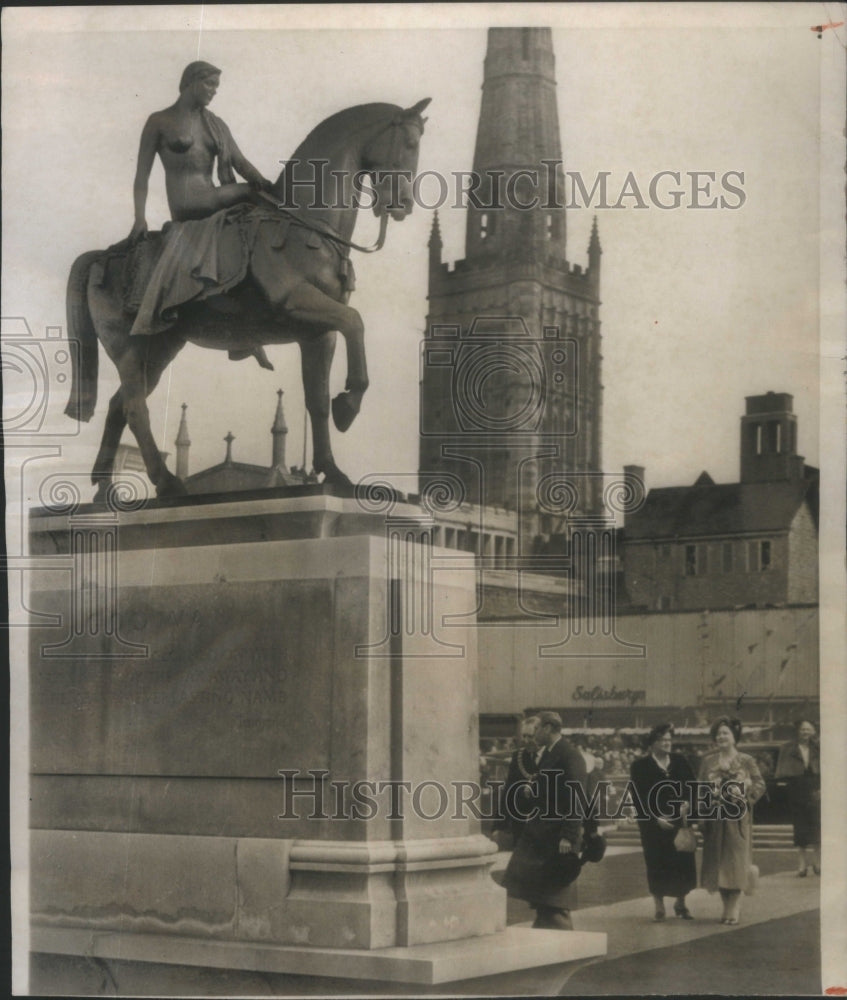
(724, 509)
(235, 476)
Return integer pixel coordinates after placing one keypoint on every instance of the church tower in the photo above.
(510, 373)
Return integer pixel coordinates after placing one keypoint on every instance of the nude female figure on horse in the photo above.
(188, 137)
(295, 285)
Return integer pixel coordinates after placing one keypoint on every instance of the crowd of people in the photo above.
(547, 759)
(612, 753)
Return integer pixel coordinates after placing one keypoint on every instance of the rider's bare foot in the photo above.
(256, 352)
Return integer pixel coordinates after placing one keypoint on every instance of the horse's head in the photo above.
(391, 159)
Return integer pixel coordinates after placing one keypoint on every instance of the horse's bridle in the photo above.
(398, 121)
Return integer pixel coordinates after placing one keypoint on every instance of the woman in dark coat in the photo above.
(800, 764)
(669, 872)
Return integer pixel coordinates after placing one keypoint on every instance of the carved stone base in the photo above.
(480, 958)
(157, 804)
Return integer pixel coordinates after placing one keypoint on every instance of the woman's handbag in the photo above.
(685, 840)
(752, 880)
(593, 848)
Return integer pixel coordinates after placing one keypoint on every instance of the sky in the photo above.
(700, 308)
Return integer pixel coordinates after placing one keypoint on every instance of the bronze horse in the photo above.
(296, 292)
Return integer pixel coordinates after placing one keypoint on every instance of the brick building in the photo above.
(731, 545)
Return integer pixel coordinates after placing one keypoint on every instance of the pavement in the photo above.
(775, 950)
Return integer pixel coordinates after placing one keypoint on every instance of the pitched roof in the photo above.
(706, 509)
(235, 476)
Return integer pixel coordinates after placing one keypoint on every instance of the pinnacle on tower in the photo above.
(279, 431)
(230, 437)
(594, 248)
(435, 245)
(435, 241)
(279, 425)
(595, 252)
(183, 443)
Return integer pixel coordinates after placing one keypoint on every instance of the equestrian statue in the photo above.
(239, 267)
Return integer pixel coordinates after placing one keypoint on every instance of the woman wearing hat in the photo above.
(800, 765)
(728, 835)
(669, 872)
(188, 137)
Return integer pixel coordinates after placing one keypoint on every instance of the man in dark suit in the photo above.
(546, 858)
(517, 793)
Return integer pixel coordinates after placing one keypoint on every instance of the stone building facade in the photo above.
(751, 543)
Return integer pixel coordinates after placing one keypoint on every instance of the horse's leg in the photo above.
(316, 360)
(160, 353)
(308, 304)
(140, 368)
(101, 474)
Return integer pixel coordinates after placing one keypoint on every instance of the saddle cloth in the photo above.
(196, 260)
(192, 261)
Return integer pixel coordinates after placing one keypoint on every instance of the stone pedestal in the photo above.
(254, 739)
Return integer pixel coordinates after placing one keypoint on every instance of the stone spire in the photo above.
(183, 443)
(514, 280)
(518, 130)
(436, 244)
(595, 252)
(279, 431)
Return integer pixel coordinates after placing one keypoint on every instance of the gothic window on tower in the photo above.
(483, 226)
(726, 555)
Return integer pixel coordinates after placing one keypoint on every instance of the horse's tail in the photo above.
(83, 336)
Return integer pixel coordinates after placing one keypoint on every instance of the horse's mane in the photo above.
(344, 124)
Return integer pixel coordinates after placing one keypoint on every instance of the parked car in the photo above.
(772, 807)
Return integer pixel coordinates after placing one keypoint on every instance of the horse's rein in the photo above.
(383, 219)
(380, 240)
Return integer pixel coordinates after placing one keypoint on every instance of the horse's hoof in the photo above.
(102, 494)
(171, 487)
(335, 477)
(343, 411)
